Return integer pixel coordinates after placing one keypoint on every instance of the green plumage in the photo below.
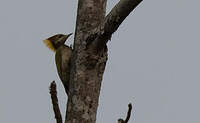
(62, 58)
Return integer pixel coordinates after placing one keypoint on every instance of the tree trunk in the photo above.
(88, 66)
(93, 30)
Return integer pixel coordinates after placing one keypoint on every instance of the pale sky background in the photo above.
(154, 62)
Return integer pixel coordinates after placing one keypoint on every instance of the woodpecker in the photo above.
(63, 53)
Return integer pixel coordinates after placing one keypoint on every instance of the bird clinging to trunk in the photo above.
(63, 53)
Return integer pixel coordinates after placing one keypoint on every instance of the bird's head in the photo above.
(54, 42)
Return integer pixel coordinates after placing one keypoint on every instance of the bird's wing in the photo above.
(62, 58)
(58, 60)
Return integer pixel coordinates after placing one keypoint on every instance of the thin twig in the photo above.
(128, 115)
(54, 100)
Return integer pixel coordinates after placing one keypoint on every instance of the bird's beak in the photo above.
(69, 34)
(65, 37)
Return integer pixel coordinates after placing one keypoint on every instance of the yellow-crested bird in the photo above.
(63, 53)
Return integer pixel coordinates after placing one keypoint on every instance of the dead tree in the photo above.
(93, 30)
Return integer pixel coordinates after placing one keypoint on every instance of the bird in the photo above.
(63, 54)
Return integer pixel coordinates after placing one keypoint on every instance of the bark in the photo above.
(113, 20)
(54, 100)
(87, 69)
(89, 57)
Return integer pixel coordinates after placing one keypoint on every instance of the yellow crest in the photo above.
(49, 44)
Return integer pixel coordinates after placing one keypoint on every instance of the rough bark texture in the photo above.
(54, 100)
(113, 20)
(93, 30)
(88, 68)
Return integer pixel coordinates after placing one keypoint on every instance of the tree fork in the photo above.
(93, 30)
